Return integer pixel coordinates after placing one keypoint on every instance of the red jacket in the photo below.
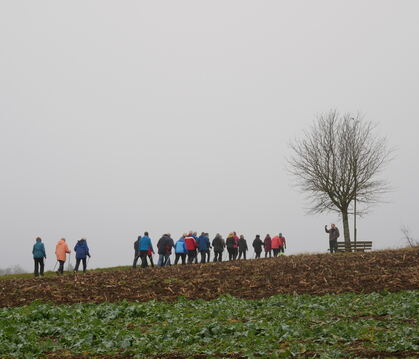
(190, 243)
(236, 242)
(276, 242)
(268, 244)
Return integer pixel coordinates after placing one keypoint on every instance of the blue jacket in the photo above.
(145, 243)
(203, 243)
(38, 250)
(180, 246)
(81, 249)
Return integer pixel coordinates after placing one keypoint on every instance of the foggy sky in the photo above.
(118, 117)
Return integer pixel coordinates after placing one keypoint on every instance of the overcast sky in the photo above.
(118, 117)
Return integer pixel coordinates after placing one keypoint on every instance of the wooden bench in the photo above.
(359, 246)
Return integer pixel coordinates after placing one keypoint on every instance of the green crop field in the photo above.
(331, 326)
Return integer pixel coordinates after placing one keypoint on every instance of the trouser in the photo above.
(208, 252)
(78, 260)
(143, 256)
(196, 256)
(39, 267)
(150, 257)
(136, 256)
(203, 256)
(276, 251)
(231, 254)
(268, 252)
(243, 252)
(236, 253)
(218, 255)
(257, 254)
(180, 255)
(281, 249)
(164, 259)
(333, 244)
(61, 267)
(191, 256)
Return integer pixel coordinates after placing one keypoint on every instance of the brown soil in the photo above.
(313, 274)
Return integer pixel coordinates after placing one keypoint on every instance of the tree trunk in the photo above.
(346, 232)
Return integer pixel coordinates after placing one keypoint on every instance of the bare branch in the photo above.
(337, 160)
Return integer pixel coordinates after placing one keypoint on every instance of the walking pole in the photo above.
(55, 266)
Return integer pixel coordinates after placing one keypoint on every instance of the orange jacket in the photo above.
(61, 249)
(276, 242)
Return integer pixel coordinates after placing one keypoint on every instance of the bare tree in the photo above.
(337, 161)
(408, 237)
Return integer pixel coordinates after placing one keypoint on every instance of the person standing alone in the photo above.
(39, 254)
(333, 237)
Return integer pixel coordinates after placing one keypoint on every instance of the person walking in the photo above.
(162, 245)
(195, 236)
(150, 253)
(208, 251)
(136, 252)
(169, 245)
(82, 251)
(203, 246)
(236, 245)
(38, 252)
(282, 244)
(180, 250)
(267, 243)
(242, 247)
(191, 246)
(145, 246)
(333, 237)
(257, 246)
(61, 251)
(275, 245)
(218, 244)
(230, 244)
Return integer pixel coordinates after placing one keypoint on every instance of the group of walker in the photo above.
(189, 245)
(186, 249)
(61, 250)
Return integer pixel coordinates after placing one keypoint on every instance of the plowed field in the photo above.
(313, 274)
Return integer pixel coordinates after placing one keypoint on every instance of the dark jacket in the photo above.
(242, 244)
(165, 245)
(230, 242)
(257, 245)
(169, 245)
(137, 245)
(203, 243)
(38, 250)
(333, 233)
(218, 243)
(81, 249)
